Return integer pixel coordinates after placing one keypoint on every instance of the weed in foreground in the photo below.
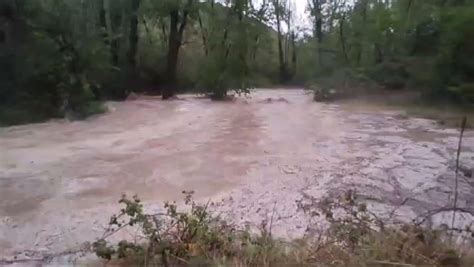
(355, 237)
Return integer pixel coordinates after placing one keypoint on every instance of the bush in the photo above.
(454, 68)
(361, 238)
(355, 237)
(89, 109)
(464, 92)
(342, 83)
(324, 94)
(14, 115)
(217, 77)
(175, 237)
(51, 70)
(390, 75)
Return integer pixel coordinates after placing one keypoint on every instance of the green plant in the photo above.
(190, 237)
(170, 237)
(355, 237)
(390, 75)
(341, 83)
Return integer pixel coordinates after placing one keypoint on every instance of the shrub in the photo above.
(464, 91)
(342, 83)
(454, 68)
(172, 237)
(218, 76)
(362, 238)
(355, 237)
(391, 75)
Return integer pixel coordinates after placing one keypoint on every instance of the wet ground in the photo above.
(60, 181)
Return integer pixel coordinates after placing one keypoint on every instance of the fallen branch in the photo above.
(430, 213)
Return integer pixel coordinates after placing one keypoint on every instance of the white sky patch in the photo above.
(301, 21)
(302, 15)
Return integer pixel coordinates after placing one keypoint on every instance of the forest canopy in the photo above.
(63, 58)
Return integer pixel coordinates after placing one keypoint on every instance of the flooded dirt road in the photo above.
(60, 181)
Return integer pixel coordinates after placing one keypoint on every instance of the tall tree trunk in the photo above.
(163, 30)
(281, 57)
(293, 58)
(174, 44)
(287, 39)
(364, 21)
(116, 20)
(103, 22)
(147, 30)
(203, 34)
(13, 39)
(176, 33)
(318, 26)
(226, 33)
(109, 24)
(319, 29)
(242, 54)
(255, 50)
(342, 38)
(133, 37)
(362, 6)
(378, 54)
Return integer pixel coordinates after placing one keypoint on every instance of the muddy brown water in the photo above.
(60, 181)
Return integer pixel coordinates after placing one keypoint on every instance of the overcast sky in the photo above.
(300, 6)
(302, 18)
(302, 15)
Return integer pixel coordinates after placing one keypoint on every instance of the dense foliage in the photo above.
(420, 45)
(61, 58)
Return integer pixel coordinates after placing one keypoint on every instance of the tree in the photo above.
(229, 39)
(179, 12)
(316, 11)
(133, 36)
(283, 15)
(278, 7)
(61, 57)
